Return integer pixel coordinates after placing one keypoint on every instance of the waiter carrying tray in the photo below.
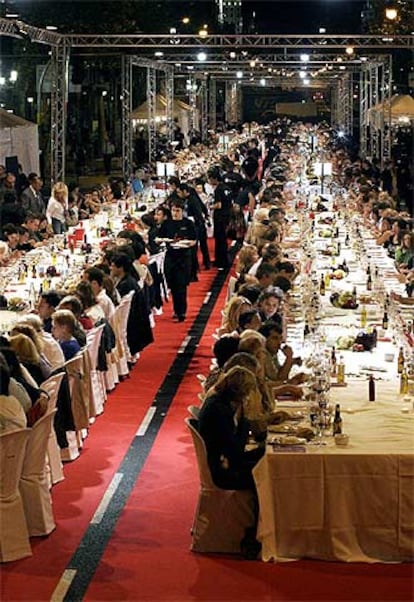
(179, 234)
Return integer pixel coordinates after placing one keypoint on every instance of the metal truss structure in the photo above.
(128, 62)
(232, 102)
(375, 110)
(342, 110)
(203, 95)
(212, 103)
(273, 58)
(241, 41)
(58, 103)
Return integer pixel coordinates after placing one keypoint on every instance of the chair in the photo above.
(222, 515)
(79, 387)
(54, 465)
(14, 536)
(119, 324)
(33, 485)
(98, 389)
(194, 411)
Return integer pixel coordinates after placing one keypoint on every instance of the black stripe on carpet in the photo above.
(92, 546)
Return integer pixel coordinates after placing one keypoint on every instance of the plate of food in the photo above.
(343, 300)
(287, 440)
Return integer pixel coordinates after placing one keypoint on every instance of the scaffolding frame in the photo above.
(375, 76)
(152, 67)
(232, 102)
(58, 109)
(342, 110)
(212, 103)
(375, 91)
(204, 114)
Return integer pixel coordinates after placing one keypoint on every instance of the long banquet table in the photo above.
(351, 503)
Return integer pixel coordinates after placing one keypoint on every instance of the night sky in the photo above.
(281, 16)
(272, 16)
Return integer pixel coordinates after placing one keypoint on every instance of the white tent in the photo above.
(181, 112)
(399, 109)
(19, 138)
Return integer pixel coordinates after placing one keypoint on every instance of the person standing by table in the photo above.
(197, 211)
(31, 197)
(221, 216)
(57, 207)
(177, 265)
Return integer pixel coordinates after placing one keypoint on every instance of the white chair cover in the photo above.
(119, 324)
(14, 536)
(222, 515)
(93, 341)
(54, 465)
(33, 485)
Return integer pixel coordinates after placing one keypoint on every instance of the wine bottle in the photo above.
(400, 364)
(322, 285)
(404, 382)
(333, 362)
(337, 421)
(363, 316)
(369, 282)
(354, 294)
(340, 376)
(385, 320)
(371, 388)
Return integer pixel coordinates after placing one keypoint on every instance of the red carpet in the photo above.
(148, 556)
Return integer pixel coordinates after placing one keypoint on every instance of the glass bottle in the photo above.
(363, 316)
(400, 363)
(340, 376)
(385, 320)
(337, 421)
(354, 294)
(371, 388)
(333, 362)
(322, 285)
(404, 382)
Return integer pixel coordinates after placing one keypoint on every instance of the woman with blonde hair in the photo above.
(57, 207)
(225, 429)
(51, 348)
(27, 355)
(28, 330)
(231, 313)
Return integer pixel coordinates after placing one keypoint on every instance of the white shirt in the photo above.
(95, 313)
(52, 351)
(106, 304)
(55, 210)
(253, 269)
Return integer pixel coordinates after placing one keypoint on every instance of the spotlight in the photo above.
(203, 33)
(349, 51)
(201, 56)
(239, 74)
(263, 81)
(341, 134)
(304, 58)
(391, 13)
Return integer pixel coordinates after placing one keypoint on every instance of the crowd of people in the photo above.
(245, 196)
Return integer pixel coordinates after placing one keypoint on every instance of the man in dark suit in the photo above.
(198, 212)
(31, 198)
